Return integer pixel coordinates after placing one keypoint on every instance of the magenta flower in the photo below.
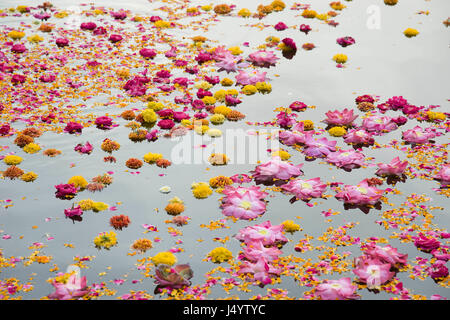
(341, 289)
(173, 277)
(62, 42)
(171, 53)
(115, 38)
(361, 194)
(119, 15)
(319, 148)
(73, 212)
(298, 106)
(136, 86)
(255, 251)
(88, 26)
(18, 48)
(74, 288)
(359, 137)
(379, 124)
(250, 77)
(305, 28)
(86, 148)
(165, 113)
(240, 178)
(203, 57)
(18, 78)
(290, 44)
(4, 129)
(418, 135)
(438, 271)
(443, 176)
(231, 100)
(245, 207)
(261, 271)
(99, 31)
(148, 53)
(227, 62)
(286, 120)
(152, 135)
(178, 116)
(396, 103)
(346, 159)
(73, 127)
(253, 191)
(400, 120)
(104, 122)
(212, 80)
(265, 233)
(394, 168)
(263, 58)
(275, 169)
(426, 244)
(280, 26)
(364, 98)
(345, 41)
(47, 78)
(372, 272)
(340, 118)
(65, 191)
(291, 138)
(305, 189)
(166, 124)
(155, 18)
(386, 254)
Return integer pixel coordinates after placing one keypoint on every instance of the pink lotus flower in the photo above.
(73, 212)
(418, 135)
(443, 176)
(396, 103)
(379, 124)
(345, 41)
(394, 168)
(65, 191)
(291, 138)
(319, 148)
(361, 194)
(346, 159)
(62, 42)
(265, 233)
(340, 118)
(227, 62)
(73, 127)
(240, 178)
(285, 120)
(280, 26)
(255, 251)
(438, 271)
(148, 53)
(104, 122)
(341, 289)
(261, 271)
(18, 48)
(359, 137)
(86, 148)
(247, 206)
(250, 77)
(254, 191)
(263, 58)
(386, 254)
(298, 106)
(372, 272)
(305, 189)
(74, 288)
(88, 26)
(275, 169)
(173, 277)
(426, 244)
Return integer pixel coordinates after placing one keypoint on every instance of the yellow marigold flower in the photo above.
(284, 155)
(142, 245)
(174, 209)
(235, 50)
(337, 5)
(201, 129)
(99, 12)
(176, 200)
(265, 9)
(162, 24)
(156, 106)
(61, 14)
(123, 72)
(186, 122)
(99, 206)
(208, 100)
(220, 254)
(322, 16)
(337, 131)
(307, 13)
(192, 10)
(32, 148)
(217, 119)
(263, 87)
(391, 2)
(290, 226)
(206, 8)
(273, 40)
(152, 157)
(245, 13)
(308, 124)
(410, 32)
(149, 116)
(164, 258)
(106, 240)
(219, 95)
(226, 82)
(220, 181)
(201, 190)
(340, 58)
(224, 110)
(22, 9)
(16, 35)
(78, 181)
(35, 38)
(249, 90)
(436, 116)
(233, 92)
(203, 85)
(86, 204)
(12, 160)
(137, 19)
(29, 176)
(278, 5)
(214, 133)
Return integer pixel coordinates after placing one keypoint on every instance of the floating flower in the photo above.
(265, 233)
(104, 122)
(251, 77)
(73, 127)
(426, 244)
(372, 272)
(78, 182)
(394, 168)
(340, 58)
(12, 172)
(218, 159)
(32, 148)
(12, 160)
(106, 240)
(261, 271)
(275, 169)
(290, 226)
(386, 254)
(73, 212)
(379, 124)
(174, 208)
(443, 175)
(319, 148)
(359, 137)
(87, 148)
(110, 145)
(305, 189)
(220, 254)
(410, 32)
(418, 135)
(341, 289)
(244, 206)
(346, 159)
(142, 245)
(29, 176)
(360, 194)
(74, 288)
(340, 118)
(133, 163)
(152, 157)
(167, 258)
(173, 277)
(345, 41)
(280, 26)
(201, 190)
(65, 191)
(337, 131)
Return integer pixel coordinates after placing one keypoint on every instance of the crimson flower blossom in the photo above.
(73, 127)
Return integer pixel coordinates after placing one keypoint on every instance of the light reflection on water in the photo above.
(383, 62)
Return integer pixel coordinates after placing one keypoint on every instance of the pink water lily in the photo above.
(340, 118)
(87, 148)
(418, 135)
(443, 176)
(319, 148)
(254, 191)
(372, 272)
(255, 251)
(275, 169)
(305, 189)
(73, 212)
(394, 168)
(359, 137)
(173, 277)
(266, 233)
(360, 194)
(263, 58)
(426, 244)
(341, 289)
(291, 137)
(379, 124)
(246, 206)
(261, 271)
(346, 159)
(250, 77)
(386, 254)
(75, 288)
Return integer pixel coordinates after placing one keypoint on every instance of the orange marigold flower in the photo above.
(220, 181)
(51, 152)
(142, 245)
(119, 222)
(13, 172)
(104, 179)
(32, 132)
(134, 163)
(222, 9)
(163, 163)
(45, 28)
(22, 140)
(175, 208)
(235, 115)
(110, 146)
(95, 186)
(128, 115)
(366, 106)
(109, 159)
(138, 135)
